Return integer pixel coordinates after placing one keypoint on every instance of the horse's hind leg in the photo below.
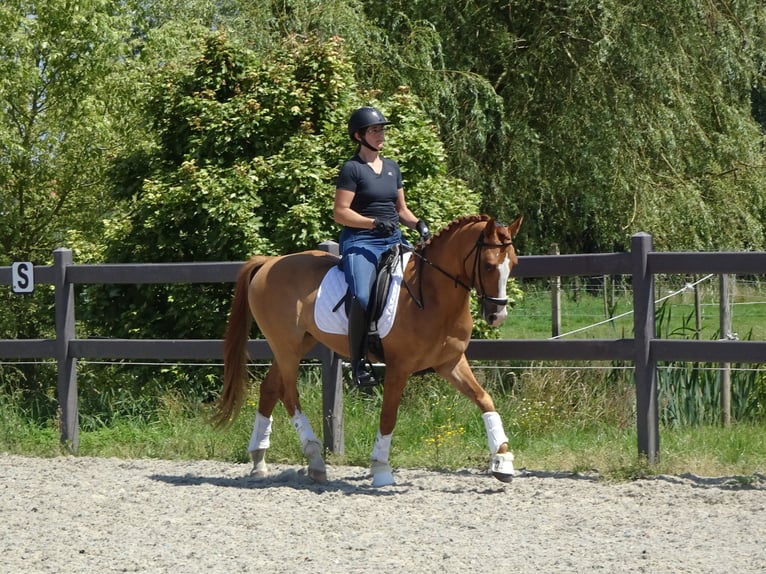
(460, 376)
(259, 443)
(270, 393)
(310, 445)
(281, 384)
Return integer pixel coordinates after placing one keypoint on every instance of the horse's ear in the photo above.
(489, 229)
(513, 228)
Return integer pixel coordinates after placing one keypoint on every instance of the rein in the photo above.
(476, 251)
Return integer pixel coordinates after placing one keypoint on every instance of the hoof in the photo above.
(502, 467)
(503, 477)
(317, 468)
(319, 476)
(259, 472)
(260, 468)
(382, 475)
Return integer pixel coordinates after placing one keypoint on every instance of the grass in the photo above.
(559, 417)
(437, 429)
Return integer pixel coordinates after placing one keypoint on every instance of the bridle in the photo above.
(481, 292)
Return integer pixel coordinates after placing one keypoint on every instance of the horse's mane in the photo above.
(459, 222)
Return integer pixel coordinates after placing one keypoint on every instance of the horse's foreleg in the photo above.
(460, 376)
(382, 473)
(502, 457)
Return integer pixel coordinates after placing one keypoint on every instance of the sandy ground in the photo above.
(73, 515)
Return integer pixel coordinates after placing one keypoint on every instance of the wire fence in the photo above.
(600, 306)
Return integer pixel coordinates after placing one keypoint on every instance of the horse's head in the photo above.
(494, 257)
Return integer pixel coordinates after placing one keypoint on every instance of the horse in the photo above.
(431, 331)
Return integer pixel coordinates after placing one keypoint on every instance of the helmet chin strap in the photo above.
(363, 142)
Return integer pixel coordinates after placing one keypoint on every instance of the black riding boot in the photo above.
(357, 340)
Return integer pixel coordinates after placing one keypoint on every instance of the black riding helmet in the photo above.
(364, 118)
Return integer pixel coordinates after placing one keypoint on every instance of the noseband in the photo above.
(480, 244)
(475, 272)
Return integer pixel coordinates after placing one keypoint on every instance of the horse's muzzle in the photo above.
(493, 314)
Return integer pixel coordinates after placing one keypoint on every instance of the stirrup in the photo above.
(363, 378)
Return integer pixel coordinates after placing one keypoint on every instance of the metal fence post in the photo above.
(555, 298)
(67, 365)
(724, 307)
(647, 417)
(332, 387)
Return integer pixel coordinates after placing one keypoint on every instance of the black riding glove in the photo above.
(422, 228)
(384, 226)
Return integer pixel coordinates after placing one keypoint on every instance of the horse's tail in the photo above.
(235, 346)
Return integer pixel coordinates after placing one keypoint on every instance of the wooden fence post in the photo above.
(332, 387)
(67, 365)
(647, 416)
(332, 402)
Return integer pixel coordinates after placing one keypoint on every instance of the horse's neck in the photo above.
(441, 276)
(453, 251)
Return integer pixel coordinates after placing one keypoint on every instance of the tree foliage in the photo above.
(162, 131)
(56, 64)
(607, 118)
(246, 155)
(151, 130)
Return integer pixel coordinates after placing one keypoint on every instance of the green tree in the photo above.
(59, 63)
(246, 157)
(594, 120)
(55, 133)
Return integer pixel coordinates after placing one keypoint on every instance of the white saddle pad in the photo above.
(333, 289)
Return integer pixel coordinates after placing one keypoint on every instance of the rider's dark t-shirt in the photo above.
(374, 195)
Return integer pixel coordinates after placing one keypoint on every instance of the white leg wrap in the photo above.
(382, 447)
(495, 433)
(259, 439)
(382, 475)
(303, 428)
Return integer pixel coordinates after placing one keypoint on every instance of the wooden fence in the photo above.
(644, 350)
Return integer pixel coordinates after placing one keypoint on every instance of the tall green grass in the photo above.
(690, 393)
(558, 419)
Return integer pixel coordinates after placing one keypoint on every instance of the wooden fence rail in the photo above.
(644, 349)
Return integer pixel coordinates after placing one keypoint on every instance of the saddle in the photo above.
(378, 295)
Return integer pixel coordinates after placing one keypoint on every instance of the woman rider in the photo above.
(369, 203)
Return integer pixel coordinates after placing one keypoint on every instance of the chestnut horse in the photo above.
(431, 330)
